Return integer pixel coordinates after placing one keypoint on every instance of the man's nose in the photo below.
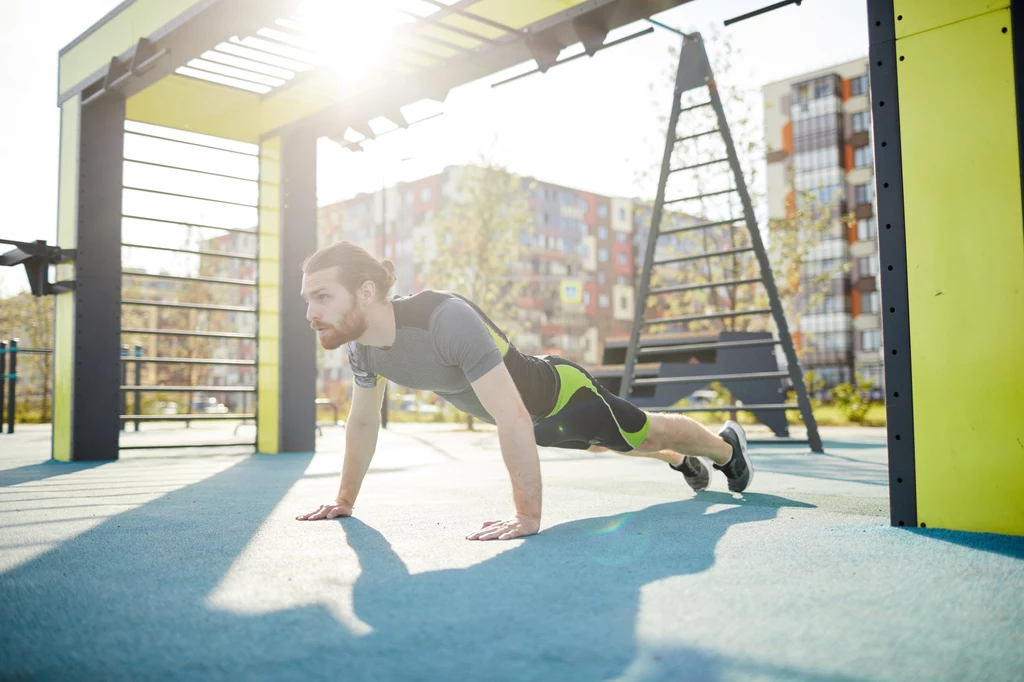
(310, 314)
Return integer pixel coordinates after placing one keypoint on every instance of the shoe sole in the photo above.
(738, 430)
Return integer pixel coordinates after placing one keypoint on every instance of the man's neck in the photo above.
(381, 327)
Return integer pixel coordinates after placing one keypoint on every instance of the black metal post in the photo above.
(12, 387)
(3, 380)
(384, 407)
(124, 381)
(137, 408)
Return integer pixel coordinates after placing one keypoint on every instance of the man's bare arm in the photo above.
(498, 394)
(361, 431)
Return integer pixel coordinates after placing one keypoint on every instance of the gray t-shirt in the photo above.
(443, 342)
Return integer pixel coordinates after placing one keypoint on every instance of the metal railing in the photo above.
(9, 351)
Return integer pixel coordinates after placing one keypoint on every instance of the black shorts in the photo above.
(586, 414)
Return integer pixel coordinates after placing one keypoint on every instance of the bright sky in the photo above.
(591, 124)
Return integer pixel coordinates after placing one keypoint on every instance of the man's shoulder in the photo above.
(417, 310)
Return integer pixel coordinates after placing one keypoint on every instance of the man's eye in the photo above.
(322, 297)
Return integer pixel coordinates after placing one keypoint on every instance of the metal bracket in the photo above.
(37, 257)
(591, 29)
(143, 58)
(544, 51)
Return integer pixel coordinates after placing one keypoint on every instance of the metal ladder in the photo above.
(694, 75)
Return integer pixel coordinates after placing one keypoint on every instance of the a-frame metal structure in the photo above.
(690, 149)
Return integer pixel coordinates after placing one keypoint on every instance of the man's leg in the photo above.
(679, 434)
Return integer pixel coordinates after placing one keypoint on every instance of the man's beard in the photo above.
(352, 326)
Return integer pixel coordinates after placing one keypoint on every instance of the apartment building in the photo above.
(580, 255)
(819, 154)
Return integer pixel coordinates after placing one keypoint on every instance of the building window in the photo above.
(871, 339)
(866, 229)
(600, 278)
(621, 237)
(602, 232)
(602, 211)
(870, 302)
(622, 214)
(621, 279)
(862, 156)
(859, 85)
(861, 121)
(865, 194)
(622, 259)
(586, 298)
(425, 194)
(603, 301)
(867, 266)
(602, 255)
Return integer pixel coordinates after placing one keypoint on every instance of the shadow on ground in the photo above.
(42, 471)
(128, 599)
(1007, 545)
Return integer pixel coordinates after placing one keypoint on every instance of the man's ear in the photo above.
(367, 292)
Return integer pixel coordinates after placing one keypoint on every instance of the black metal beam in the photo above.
(892, 256)
(96, 395)
(297, 426)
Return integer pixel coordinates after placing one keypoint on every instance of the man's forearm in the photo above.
(360, 444)
(519, 450)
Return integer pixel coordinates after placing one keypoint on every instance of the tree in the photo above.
(29, 319)
(480, 243)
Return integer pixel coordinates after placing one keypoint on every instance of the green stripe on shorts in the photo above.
(572, 381)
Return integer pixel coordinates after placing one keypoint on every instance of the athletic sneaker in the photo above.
(695, 473)
(738, 470)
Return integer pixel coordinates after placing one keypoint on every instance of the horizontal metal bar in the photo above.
(189, 196)
(186, 417)
(695, 106)
(190, 389)
(191, 252)
(708, 316)
(179, 278)
(728, 408)
(703, 285)
(701, 226)
(710, 254)
(720, 345)
(696, 135)
(176, 332)
(36, 351)
(253, 155)
(189, 361)
(191, 306)
(200, 226)
(167, 446)
(697, 165)
(757, 12)
(709, 378)
(701, 196)
(190, 170)
(668, 28)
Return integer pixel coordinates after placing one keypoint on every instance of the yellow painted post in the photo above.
(965, 261)
(64, 305)
(268, 374)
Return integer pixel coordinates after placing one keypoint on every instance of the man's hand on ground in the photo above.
(327, 511)
(516, 527)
